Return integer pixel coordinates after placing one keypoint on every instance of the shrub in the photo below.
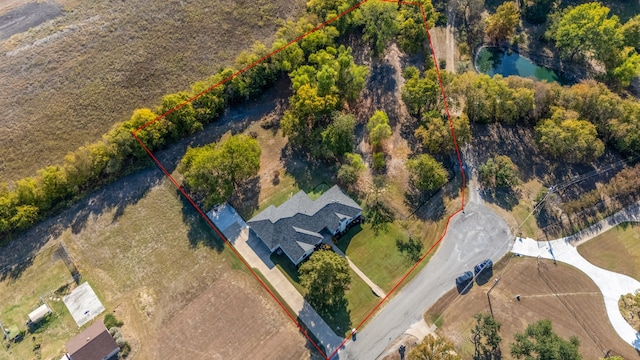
(110, 321)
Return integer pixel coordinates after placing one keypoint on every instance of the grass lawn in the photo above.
(377, 256)
(518, 216)
(617, 250)
(18, 297)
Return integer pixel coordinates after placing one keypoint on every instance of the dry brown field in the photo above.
(85, 65)
(560, 293)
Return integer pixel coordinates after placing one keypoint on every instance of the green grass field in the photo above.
(377, 255)
(18, 297)
(617, 250)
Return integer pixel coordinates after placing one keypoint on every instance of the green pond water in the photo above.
(493, 61)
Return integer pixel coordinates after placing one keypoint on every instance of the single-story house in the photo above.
(94, 343)
(38, 314)
(300, 224)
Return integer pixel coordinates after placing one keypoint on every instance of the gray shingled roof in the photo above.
(296, 224)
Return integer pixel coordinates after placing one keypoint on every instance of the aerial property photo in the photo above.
(311, 179)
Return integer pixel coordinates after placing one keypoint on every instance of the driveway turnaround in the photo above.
(477, 234)
(611, 284)
(256, 254)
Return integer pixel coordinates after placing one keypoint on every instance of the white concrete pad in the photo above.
(83, 304)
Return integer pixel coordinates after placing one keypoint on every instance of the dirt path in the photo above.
(450, 39)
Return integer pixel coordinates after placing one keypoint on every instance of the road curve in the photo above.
(473, 236)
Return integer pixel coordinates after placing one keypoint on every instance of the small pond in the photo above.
(491, 61)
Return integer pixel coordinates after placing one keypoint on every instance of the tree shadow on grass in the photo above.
(307, 172)
(245, 197)
(506, 198)
(17, 254)
(200, 232)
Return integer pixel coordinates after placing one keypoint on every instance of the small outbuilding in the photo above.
(94, 343)
(38, 314)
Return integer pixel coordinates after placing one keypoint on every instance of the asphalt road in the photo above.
(476, 235)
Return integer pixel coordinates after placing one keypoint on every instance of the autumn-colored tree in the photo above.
(434, 347)
(502, 25)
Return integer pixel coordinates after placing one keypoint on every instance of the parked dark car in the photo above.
(485, 264)
(464, 278)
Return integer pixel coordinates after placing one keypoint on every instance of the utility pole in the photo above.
(495, 282)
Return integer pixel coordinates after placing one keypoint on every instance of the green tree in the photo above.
(54, 185)
(629, 68)
(501, 26)
(419, 94)
(565, 137)
(434, 347)
(380, 25)
(485, 337)
(181, 114)
(216, 170)
(24, 217)
(339, 137)
(412, 35)
(588, 29)
(210, 104)
(350, 171)
(326, 277)
(426, 173)
(436, 137)
(499, 171)
(378, 128)
(540, 342)
(631, 32)
(351, 77)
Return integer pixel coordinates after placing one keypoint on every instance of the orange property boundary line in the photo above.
(213, 226)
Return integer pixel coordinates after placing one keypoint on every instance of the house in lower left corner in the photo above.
(94, 343)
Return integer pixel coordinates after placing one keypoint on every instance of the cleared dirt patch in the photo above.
(559, 293)
(230, 299)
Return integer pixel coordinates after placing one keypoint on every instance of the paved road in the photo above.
(477, 234)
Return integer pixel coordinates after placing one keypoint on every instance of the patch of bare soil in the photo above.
(204, 328)
(559, 293)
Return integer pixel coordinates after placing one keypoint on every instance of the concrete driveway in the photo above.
(476, 235)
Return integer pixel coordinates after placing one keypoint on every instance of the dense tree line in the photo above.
(588, 31)
(572, 123)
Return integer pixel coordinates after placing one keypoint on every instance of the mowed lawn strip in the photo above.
(616, 250)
